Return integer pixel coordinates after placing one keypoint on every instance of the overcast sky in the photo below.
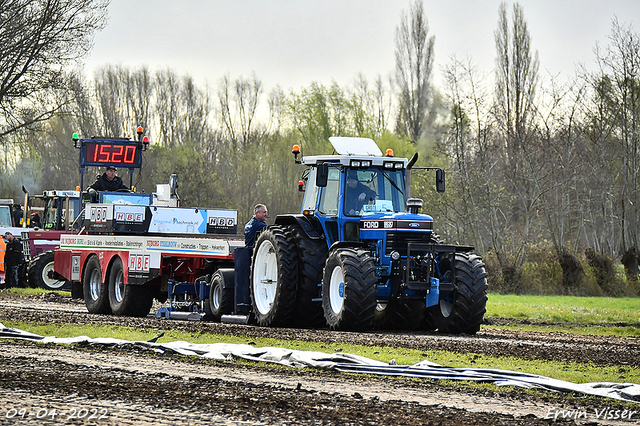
(295, 42)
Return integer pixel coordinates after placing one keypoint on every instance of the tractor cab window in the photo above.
(360, 190)
(329, 197)
(311, 190)
(373, 190)
(51, 214)
(391, 195)
(5, 216)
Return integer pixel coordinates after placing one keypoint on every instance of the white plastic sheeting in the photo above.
(349, 363)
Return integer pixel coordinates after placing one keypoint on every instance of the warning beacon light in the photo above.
(296, 151)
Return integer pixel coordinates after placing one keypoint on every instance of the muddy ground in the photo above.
(87, 384)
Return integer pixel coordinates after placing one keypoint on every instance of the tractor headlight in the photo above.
(395, 255)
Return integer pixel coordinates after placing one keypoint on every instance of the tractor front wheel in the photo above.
(349, 289)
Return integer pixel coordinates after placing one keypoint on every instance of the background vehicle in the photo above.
(61, 209)
(7, 225)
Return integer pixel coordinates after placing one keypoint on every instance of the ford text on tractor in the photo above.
(360, 255)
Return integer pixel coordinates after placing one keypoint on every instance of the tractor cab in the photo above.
(358, 189)
(61, 208)
(6, 212)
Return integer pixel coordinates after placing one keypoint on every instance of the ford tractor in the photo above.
(360, 255)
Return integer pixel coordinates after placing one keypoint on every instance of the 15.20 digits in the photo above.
(112, 153)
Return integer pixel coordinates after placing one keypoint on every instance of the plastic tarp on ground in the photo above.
(348, 363)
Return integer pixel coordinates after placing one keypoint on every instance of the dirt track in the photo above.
(126, 387)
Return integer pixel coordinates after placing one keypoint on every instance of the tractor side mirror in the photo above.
(322, 175)
(440, 180)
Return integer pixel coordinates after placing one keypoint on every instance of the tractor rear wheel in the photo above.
(39, 269)
(349, 289)
(462, 310)
(96, 293)
(312, 254)
(274, 277)
(127, 299)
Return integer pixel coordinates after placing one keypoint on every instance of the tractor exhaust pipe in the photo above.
(407, 176)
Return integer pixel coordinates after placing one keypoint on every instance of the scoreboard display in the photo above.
(109, 152)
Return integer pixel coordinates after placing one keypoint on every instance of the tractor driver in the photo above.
(108, 182)
(356, 194)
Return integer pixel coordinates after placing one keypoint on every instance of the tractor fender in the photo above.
(346, 244)
(309, 224)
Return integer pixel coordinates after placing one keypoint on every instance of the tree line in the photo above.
(541, 173)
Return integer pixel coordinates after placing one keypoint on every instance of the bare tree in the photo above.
(414, 63)
(167, 107)
(516, 83)
(467, 147)
(38, 39)
(244, 141)
(616, 119)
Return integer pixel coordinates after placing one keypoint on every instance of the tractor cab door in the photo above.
(5, 216)
(323, 199)
(359, 192)
(51, 219)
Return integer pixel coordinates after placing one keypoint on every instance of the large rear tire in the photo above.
(127, 299)
(96, 293)
(39, 269)
(461, 311)
(274, 277)
(349, 289)
(312, 254)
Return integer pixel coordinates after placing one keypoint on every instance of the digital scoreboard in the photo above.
(109, 152)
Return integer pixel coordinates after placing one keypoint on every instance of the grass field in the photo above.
(580, 315)
(565, 309)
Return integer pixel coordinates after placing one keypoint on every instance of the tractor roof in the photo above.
(350, 149)
(355, 146)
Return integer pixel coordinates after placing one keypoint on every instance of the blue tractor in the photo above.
(361, 256)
